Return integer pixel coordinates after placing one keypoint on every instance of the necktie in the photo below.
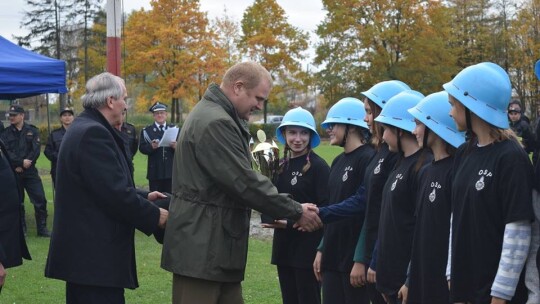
(161, 128)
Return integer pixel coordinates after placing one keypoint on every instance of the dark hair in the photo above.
(376, 136)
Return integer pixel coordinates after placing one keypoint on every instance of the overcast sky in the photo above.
(304, 14)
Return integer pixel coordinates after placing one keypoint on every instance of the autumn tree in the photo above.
(339, 51)
(172, 49)
(367, 41)
(227, 31)
(427, 61)
(57, 29)
(472, 22)
(269, 39)
(95, 52)
(524, 33)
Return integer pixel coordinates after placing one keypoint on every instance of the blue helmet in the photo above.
(433, 111)
(485, 90)
(395, 112)
(298, 117)
(348, 110)
(383, 91)
(537, 69)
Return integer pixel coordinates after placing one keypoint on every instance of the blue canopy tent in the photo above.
(24, 73)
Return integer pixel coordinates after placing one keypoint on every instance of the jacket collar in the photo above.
(96, 115)
(215, 94)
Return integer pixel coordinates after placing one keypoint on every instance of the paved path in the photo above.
(255, 229)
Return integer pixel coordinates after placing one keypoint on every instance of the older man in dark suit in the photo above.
(97, 207)
(12, 243)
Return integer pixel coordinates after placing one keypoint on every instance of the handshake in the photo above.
(308, 222)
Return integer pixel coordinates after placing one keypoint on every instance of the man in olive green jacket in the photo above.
(214, 189)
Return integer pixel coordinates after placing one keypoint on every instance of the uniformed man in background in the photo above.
(160, 159)
(23, 148)
(55, 139)
(131, 143)
(131, 136)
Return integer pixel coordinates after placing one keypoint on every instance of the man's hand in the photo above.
(403, 293)
(19, 170)
(27, 163)
(278, 224)
(155, 144)
(173, 145)
(309, 221)
(3, 275)
(371, 276)
(358, 275)
(163, 215)
(317, 266)
(152, 196)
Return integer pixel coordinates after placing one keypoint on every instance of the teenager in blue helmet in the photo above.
(304, 175)
(334, 260)
(397, 216)
(368, 196)
(436, 131)
(491, 191)
(377, 173)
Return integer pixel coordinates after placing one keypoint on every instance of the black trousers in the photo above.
(85, 294)
(298, 286)
(31, 182)
(393, 299)
(161, 185)
(374, 295)
(337, 288)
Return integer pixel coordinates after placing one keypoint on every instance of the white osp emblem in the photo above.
(345, 176)
(480, 184)
(294, 180)
(432, 196)
(378, 168)
(394, 184)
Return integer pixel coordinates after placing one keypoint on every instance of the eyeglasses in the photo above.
(12, 115)
(330, 126)
(513, 112)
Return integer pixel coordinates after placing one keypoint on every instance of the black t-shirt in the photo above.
(376, 175)
(491, 188)
(292, 247)
(427, 276)
(346, 175)
(396, 224)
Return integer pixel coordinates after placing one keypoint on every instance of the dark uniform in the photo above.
(21, 145)
(523, 131)
(132, 141)
(160, 160)
(53, 146)
(129, 136)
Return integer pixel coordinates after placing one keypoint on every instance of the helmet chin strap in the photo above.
(344, 140)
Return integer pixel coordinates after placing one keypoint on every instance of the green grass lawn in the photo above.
(27, 285)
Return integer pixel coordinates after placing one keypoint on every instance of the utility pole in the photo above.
(114, 32)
